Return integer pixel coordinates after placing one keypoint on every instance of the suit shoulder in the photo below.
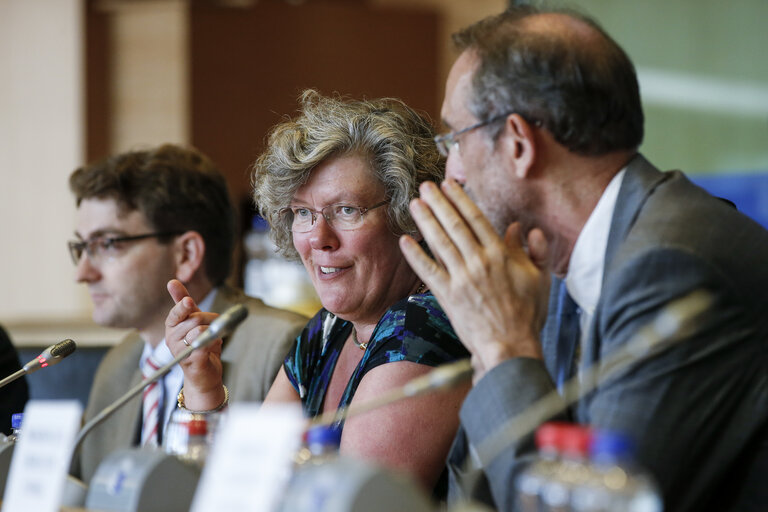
(257, 310)
(129, 347)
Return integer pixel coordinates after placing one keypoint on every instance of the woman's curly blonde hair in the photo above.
(396, 140)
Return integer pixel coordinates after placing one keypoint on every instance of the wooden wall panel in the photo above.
(98, 85)
(248, 66)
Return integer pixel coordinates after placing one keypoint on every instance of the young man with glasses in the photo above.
(144, 218)
(556, 185)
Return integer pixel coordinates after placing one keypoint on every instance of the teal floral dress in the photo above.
(414, 329)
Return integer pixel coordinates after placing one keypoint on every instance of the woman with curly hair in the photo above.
(335, 184)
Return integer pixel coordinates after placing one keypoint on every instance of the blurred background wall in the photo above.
(83, 78)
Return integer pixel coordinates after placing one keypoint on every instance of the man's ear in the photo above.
(518, 137)
(189, 253)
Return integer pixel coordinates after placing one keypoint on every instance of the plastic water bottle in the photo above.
(530, 482)
(16, 420)
(197, 443)
(560, 467)
(189, 435)
(259, 249)
(315, 481)
(319, 445)
(584, 470)
(571, 471)
(274, 279)
(616, 482)
(323, 444)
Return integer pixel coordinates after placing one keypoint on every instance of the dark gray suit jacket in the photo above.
(251, 356)
(699, 412)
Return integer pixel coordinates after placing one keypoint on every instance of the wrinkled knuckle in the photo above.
(456, 224)
(463, 281)
(479, 265)
(476, 216)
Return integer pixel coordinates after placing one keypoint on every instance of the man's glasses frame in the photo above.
(446, 141)
(98, 244)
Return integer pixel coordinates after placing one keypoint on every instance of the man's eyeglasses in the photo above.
(339, 216)
(99, 247)
(447, 141)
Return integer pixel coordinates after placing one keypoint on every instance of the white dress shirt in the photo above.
(585, 268)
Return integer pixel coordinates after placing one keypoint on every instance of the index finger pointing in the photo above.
(177, 290)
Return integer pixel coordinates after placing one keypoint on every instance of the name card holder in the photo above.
(251, 461)
(41, 457)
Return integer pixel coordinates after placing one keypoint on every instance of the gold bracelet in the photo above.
(180, 402)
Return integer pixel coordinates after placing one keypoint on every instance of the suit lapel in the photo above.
(129, 424)
(639, 182)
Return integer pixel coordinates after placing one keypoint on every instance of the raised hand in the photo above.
(494, 291)
(203, 384)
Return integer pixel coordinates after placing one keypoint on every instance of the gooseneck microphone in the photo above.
(220, 327)
(443, 377)
(48, 357)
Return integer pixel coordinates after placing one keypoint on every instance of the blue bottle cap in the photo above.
(611, 446)
(324, 435)
(16, 420)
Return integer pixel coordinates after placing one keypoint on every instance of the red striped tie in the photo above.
(151, 405)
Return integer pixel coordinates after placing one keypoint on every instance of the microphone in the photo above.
(220, 327)
(48, 357)
(51, 356)
(223, 325)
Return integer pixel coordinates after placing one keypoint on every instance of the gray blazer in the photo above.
(698, 412)
(251, 356)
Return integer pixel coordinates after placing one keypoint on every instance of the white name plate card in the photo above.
(251, 460)
(42, 455)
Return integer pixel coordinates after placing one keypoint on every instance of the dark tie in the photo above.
(568, 336)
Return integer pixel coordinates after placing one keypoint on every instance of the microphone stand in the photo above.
(442, 377)
(12, 377)
(55, 353)
(229, 320)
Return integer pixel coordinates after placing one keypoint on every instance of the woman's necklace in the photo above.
(361, 346)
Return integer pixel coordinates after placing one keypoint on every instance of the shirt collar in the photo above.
(585, 268)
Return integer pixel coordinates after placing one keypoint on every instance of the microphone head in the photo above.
(63, 348)
(50, 356)
(228, 320)
(237, 314)
(221, 326)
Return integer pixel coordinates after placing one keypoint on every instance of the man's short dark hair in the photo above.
(177, 189)
(578, 84)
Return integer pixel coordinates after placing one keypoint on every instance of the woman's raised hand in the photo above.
(203, 381)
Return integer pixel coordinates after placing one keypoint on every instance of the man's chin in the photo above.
(106, 319)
